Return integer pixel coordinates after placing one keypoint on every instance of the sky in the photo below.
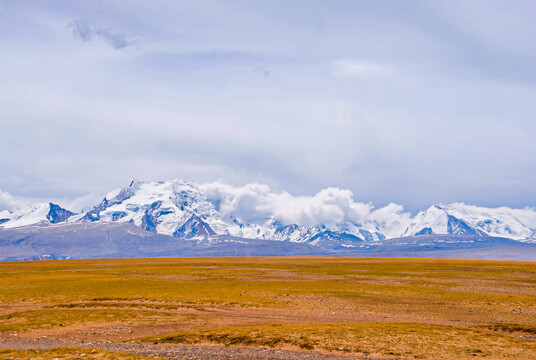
(410, 102)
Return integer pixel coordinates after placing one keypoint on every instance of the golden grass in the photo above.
(47, 319)
(68, 353)
(453, 305)
(398, 339)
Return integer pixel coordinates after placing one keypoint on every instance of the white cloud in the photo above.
(392, 219)
(8, 202)
(330, 206)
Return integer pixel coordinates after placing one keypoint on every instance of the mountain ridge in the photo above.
(185, 210)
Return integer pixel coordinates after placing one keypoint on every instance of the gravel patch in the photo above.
(179, 352)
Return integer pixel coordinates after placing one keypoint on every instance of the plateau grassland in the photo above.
(358, 307)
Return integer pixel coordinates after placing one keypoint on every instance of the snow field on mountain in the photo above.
(331, 217)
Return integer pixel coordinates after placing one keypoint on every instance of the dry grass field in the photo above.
(68, 353)
(359, 307)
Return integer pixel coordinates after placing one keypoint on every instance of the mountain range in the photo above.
(187, 211)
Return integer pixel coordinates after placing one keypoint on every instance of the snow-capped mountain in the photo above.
(173, 208)
(187, 210)
(461, 219)
(436, 220)
(180, 209)
(47, 213)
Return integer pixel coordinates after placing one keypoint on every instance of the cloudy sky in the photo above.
(408, 102)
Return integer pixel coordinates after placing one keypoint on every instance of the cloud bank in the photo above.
(331, 206)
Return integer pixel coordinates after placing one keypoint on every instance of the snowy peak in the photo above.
(47, 213)
(174, 208)
(461, 219)
(518, 224)
(438, 220)
(434, 220)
